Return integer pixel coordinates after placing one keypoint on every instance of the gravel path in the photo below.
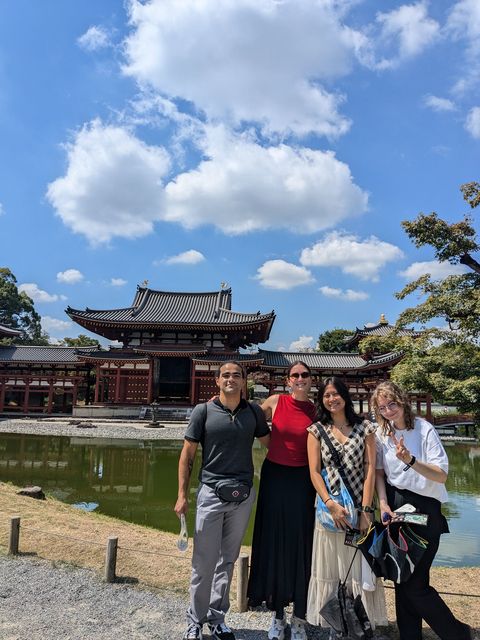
(40, 601)
(86, 428)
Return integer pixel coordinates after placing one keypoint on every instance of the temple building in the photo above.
(168, 346)
(171, 344)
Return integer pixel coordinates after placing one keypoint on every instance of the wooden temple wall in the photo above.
(118, 385)
(39, 392)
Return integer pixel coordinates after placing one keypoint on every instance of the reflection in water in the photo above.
(137, 481)
(129, 479)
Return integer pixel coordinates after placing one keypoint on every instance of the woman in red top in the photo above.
(284, 520)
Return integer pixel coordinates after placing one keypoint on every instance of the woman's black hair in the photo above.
(324, 414)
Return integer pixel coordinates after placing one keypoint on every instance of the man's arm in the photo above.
(265, 440)
(185, 466)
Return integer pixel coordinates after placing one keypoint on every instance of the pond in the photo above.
(136, 481)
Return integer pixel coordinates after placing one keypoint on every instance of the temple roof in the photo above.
(242, 358)
(326, 361)
(43, 354)
(381, 329)
(152, 309)
(7, 332)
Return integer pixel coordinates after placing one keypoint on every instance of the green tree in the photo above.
(456, 298)
(333, 341)
(81, 341)
(18, 312)
(442, 361)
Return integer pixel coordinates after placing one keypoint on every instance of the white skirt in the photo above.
(330, 561)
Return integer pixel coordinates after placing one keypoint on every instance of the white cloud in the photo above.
(439, 104)
(2, 210)
(244, 187)
(437, 270)
(187, 257)
(37, 294)
(54, 325)
(113, 184)
(204, 52)
(361, 258)
(70, 276)
(94, 38)
(409, 30)
(349, 294)
(303, 344)
(472, 123)
(278, 274)
(464, 24)
(118, 282)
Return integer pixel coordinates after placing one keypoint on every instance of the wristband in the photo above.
(410, 464)
(366, 509)
(325, 501)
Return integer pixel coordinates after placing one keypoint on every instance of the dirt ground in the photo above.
(61, 533)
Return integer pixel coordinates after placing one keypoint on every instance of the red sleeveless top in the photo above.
(288, 441)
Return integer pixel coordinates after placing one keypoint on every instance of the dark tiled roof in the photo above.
(113, 355)
(53, 354)
(382, 330)
(171, 349)
(243, 358)
(324, 361)
(152, 307)
(8, 332)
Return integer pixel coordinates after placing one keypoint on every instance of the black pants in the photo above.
(415, 600)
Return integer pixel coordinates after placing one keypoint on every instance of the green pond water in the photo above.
(136, 481)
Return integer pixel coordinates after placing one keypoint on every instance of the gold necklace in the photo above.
(341, 427)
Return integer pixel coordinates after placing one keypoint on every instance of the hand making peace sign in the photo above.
(401, 452)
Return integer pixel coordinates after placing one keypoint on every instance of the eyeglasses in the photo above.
(391, 406)
(303, 375)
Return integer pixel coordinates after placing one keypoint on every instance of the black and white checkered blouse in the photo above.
(351, 455)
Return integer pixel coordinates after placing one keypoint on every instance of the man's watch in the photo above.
(366, 509)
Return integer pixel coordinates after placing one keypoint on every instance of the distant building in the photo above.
(7, 332)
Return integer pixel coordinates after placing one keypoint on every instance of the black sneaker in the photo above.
(221, 632)
(193, 632)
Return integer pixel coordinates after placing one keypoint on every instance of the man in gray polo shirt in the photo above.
(226, 429)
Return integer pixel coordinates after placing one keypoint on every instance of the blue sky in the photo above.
(274, 145)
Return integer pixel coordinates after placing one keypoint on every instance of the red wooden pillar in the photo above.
(97, 384)
(26, 395)
(150, 381)
(117, 384)
(50, 396)
(193, 382)
(429, 408)
(75, 392)
(3, 384)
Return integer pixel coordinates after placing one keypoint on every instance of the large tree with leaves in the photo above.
(456, 298)
(333, 341)
(17, 310)
(444, 361)
(81, 341)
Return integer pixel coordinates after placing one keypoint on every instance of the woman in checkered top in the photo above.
(354, 440)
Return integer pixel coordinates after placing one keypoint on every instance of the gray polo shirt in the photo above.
(226, 438)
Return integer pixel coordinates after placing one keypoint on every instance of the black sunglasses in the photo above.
(304, 374)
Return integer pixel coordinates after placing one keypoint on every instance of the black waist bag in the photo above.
(232, 491)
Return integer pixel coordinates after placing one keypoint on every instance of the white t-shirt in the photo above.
(424, 443)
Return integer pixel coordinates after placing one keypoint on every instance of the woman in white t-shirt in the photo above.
(412, 468)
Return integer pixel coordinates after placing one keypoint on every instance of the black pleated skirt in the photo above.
(282, 539)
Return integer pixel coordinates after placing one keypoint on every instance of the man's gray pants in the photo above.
(219, 530)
